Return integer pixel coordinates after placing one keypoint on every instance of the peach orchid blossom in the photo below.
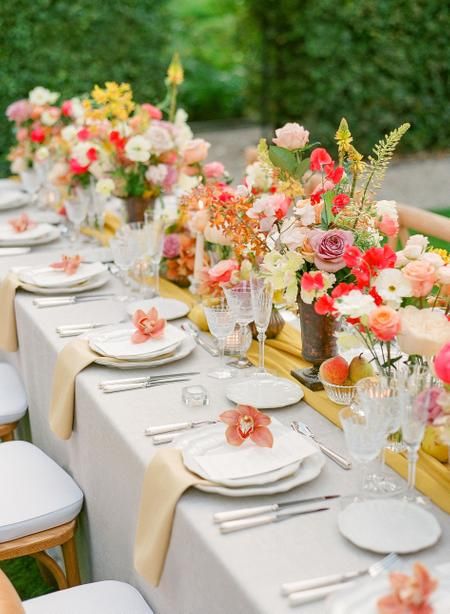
(149, 325)
(22, 223)
(409, 593)
(68, 264)
(247, 422)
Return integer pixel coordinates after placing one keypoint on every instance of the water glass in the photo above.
(124, 254)
(221, 322)
(239, 298)
(76, 208)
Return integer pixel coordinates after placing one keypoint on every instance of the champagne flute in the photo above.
(262, 304)
(221, 322)
(156, 226)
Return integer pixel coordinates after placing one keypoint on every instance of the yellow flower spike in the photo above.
(175, 73)
(357, 165)
(343, 136)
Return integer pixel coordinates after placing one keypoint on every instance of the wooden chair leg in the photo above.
(71, 562)
(8, 436)
(7, 431)
(50, 565)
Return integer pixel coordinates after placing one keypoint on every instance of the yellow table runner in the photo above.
(112, 225)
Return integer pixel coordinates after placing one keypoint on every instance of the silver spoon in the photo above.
(303, 429)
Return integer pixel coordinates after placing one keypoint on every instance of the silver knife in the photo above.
(56, 301)
(143, 379)
(265, 509)
(123, 387)
(256, 521)
(198, 339)
(178, 426)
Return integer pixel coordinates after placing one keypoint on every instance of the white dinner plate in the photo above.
(308, 470)
(12, 199)
(389, 525)
(90, 284)
(168, 308)
(250, 465)
(264, 393)
(184, 349)
(362, 598)
(51, 235)
(11, 184)
(117, 343)
(7, 232)
(48, 277)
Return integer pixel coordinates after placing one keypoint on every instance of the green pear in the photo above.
(360, 368)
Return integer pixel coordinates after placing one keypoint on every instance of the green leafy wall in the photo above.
(377, 62)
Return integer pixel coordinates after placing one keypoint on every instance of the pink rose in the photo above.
(422, 276)
(384, 322)
(329, 247)
(153, 112)
(196, 151)
(442, 364)
(171, 248)
(388, 226)
(222, 271)
(19, 111)
(213, 170)
(22, 134)
(291, 136)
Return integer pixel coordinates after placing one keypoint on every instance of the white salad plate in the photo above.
(168, 308)
(20, 240)
(389, 525)
(184, 349)
(266, 392)
(90, 284)
(207, 453)
(12, 199)
(117, 343)
(48, 277)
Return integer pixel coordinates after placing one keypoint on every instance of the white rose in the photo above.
(69, 133)
(42, 154)
(433, 259)
(388, 208)
(355, 304)
(41, 96)
(159, 139)
(48, 118)
(156, 174)
(137, 149)
(105, 186)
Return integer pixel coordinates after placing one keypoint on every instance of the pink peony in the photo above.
(221, 272)
(246, 422)
(422, 276)
(153, 112)
(196, 151)
(291, 136)
(329, 247)
(214, 170)
(19, 111)
(442, 364)
(171, 247)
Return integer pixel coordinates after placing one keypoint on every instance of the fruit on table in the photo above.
(432, 445)
(334, 370)
(359, 369)
(197, 315)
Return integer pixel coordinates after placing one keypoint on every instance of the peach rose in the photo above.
(388, 226)
(291, 136)
(421, 275)
(196, 151)
(222, 271)
(422, 331)
(384, 322)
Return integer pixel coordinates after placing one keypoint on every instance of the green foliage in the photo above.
(68, 46)
(379, 64)
(25, 576)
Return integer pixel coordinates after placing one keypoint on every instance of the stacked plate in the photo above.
(115, 348)
(46, 280)
(38, 235)
(12, 198)
(249, 469)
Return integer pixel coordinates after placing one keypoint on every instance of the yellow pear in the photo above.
(197, 315)
(431, 444)
(360, 368)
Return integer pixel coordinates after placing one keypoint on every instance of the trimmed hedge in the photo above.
(378, 63)
(69, 45)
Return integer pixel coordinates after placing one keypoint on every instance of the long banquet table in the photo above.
(205, 572)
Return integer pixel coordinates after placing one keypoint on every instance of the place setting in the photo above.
(23, 231)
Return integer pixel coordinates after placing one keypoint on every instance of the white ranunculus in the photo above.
(156, 174)
(392, 286)
(388, 208)
(355, 304)
(41, 96)
(105, 186)
(159, 138)
(137, 149)
(69, 133)
(42, 154)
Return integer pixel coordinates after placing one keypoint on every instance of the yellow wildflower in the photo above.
(343, 138)
(175, 73)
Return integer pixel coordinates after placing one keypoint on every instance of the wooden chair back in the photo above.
(421, 221)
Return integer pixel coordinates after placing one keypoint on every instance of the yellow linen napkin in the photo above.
(111, 226)
(72, 359)
(8, 328)
(165, 480)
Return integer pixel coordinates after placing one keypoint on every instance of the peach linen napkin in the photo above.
(165, 480)
(8, 328)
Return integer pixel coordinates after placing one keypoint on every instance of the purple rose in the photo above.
(329, 247)
(171, 248)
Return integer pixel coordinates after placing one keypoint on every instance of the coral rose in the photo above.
(442, 364)
(384, 322)
(196, 151)
(421, 275)
(222, 271)
(291, 136)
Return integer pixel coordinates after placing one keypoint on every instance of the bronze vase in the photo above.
(136, 206)
(276, 324)
(318, 342)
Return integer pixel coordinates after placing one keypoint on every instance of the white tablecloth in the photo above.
(205, 572)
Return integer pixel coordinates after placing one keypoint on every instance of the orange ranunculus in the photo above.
(384, 322)
(247, 422)
(149, 325)
(422, 276)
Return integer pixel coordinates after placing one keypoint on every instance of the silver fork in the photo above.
(319, 587)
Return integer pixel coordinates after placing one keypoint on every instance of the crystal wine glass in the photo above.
(124, 254)
(221, 322)
(239, 298)
(262, 298)
(76, 208)
(156, 226)
(136, 234)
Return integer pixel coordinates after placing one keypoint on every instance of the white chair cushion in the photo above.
(107, 597)
(36, 494)
(13, 400)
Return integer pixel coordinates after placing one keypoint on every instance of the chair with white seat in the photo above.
(13, 401)
(108, 597)
(39, 506)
